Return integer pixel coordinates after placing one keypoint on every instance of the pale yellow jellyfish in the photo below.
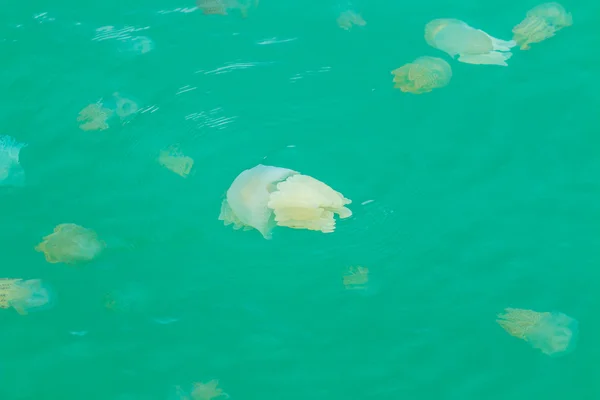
(356, 278)
(201, 391)
(23, 296)
(422, 75)
(264, 196)
(220, 7)
(348, 19)
(175, 161)
(94, 117)
(472, 46)
(553, 333)
(542, 22)
(70, 244)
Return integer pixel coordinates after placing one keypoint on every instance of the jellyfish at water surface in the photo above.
(11, 171)
(70, 244)
(175, 161)
(472, 46)
(349, 18)
(553, 333)
(542, 22)
(221, 7)
(422, 75)
(24, 295)
(264, 197)
(107, 112)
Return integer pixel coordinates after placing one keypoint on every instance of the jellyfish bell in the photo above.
(172, 159)
(11, 171)
(264, 197)
(25, 296)
(541, 23)
(221, 7)
(348, 19)
(553, 333)
(70, 244)
(554, 13)
(472, 46)
(422, 75)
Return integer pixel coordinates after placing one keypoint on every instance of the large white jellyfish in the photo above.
(24, 295)
(11, 172)
(264, 196)
(541, 23)
(553, 333)
(472, 46)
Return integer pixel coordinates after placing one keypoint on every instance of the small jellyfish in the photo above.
(264, 196)
(70, 244)
(422, 75)
(348, 19)
(102, 114)
(140, 44)
(356, 278)
(174, 160)
(542, 22)
(553, 333)
(473, 46)
(11, 171)
(201, 391)
(220, 7)
(24, 296)
(94, 117)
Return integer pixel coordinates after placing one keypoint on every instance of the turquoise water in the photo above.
(485, 196)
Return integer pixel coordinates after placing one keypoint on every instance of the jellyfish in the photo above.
(542, 22)
(104, 113)
(473, 46)
(11, 171)
(220, 7)
(264, 197)
(348, 19)
(553, 333)
(356, 278)
(422, 75)
(201, 391)
(24, 295)
(70, 244)
(175, 161)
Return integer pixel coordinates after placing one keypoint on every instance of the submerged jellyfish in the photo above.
(473, 46)
(220, 7)
(11, 171)
(356, 278)
(348, 19)
(102, 114)
(265, 196)
(541, 23)
(553, 333)
(201, 391)
(70, 244)
(23, 296)
(174, 160)
(422, 75)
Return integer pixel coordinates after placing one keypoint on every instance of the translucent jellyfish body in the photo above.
(356, 278)
(542, 22)
(70, 244)
(201, 391)
(264, 196)
(175, 161)
(348, 19)
(221, 7)
(553, 333)
(106, 112)
(24, 296)
(422, 75)
(11, 171)
(472, 46)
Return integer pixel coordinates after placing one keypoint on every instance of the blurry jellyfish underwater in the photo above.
(201, 391)
(220, 7)
(265, 196)
(553, 333)
(136, 45)
(356, 278)
(422, 75)
(348, 19)
(24, 296)
(473, 46)
(541, 23)
(11, 171)
(175, 161)
(96, 116)
(70, 244)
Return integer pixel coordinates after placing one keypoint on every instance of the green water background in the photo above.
(485, 197)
